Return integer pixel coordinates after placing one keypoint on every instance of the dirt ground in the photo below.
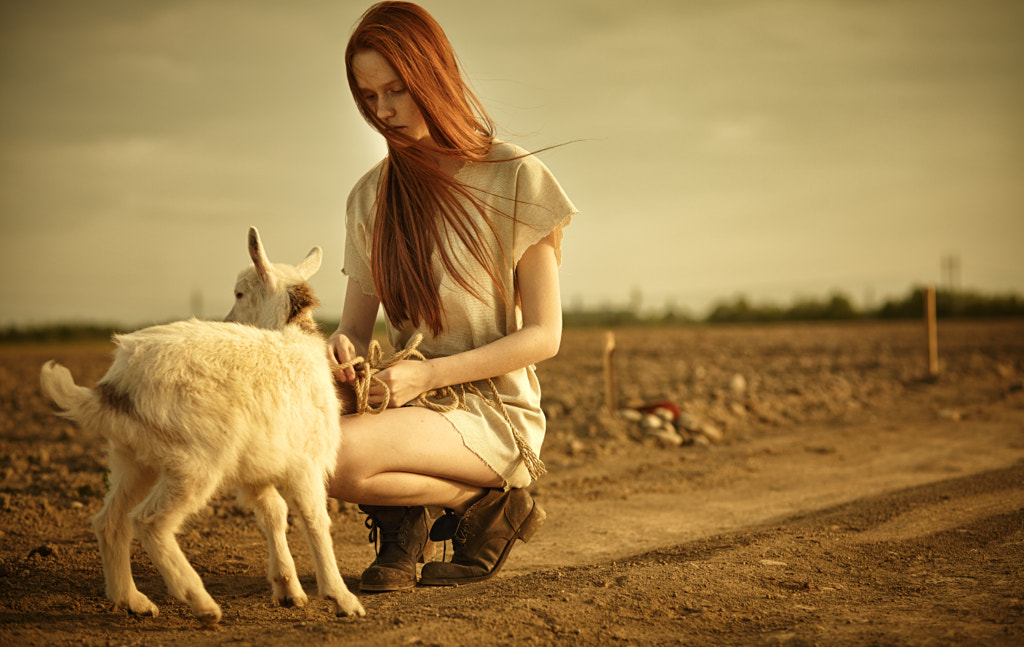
(848, 501)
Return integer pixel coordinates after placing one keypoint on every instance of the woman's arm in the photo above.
(355, 330)
(537, 340)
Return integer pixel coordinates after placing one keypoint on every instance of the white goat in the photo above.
(191, 407)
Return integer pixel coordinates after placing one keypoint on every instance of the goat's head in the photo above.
(269, 295)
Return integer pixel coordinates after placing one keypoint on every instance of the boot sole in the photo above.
(428, 552)
(383, 588)
(399, 586)
(526, 531)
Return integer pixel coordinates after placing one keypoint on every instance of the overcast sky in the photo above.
(769, 148)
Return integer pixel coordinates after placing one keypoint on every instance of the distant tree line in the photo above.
(835, 307)
(64, 332)
(950, 303)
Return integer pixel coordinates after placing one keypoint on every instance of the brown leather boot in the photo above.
(404, 539)
(484, 538)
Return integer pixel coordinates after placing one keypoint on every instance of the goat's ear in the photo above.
(258, 256)
(311, 263)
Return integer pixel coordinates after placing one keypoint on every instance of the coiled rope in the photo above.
(443, 400)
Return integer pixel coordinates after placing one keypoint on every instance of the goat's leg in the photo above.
(128, 485)
(157, 520)
(308, 497)
(272, 516)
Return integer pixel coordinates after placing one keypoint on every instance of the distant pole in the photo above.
(951, 272)
(197, 303)
(933, 336)
(611, 396)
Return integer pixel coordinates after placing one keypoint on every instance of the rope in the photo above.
(443, 400)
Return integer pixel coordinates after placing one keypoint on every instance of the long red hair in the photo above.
(417, 200)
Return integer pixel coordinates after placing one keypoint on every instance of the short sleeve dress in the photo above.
(527, 204)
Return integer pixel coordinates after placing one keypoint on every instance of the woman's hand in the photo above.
(341, 349)
(406, 381)
(355, 330)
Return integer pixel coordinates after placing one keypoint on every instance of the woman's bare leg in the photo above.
(408, 456)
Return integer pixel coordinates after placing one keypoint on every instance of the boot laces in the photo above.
(371, 523)
(377, 535)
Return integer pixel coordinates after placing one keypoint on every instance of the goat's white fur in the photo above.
(192, 407)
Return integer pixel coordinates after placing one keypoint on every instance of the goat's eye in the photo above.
(239, 295)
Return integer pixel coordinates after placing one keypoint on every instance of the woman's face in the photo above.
(387, 96)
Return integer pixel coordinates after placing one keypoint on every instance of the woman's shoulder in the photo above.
(370, 179)
(507, 151)
(511, 162)
(517, 156)
(364, 191)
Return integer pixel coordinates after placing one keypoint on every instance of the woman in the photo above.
(458, 236)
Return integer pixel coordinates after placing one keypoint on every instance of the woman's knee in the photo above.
(342, 488)
(348, 483)
(352, 467)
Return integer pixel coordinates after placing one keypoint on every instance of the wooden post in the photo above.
(932, 328)
(611, 395)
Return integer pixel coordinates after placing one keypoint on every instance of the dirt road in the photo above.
(848, 503)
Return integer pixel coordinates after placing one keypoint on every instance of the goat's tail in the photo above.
(75, 402)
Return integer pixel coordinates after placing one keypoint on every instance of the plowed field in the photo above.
(848, 501)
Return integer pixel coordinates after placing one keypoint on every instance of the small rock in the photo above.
(665, 414)
(701, 441)
(667, 435)
(651, 421)
(950, 414)
(738, 384)
(689, 422)
(46, 550)
(711, 432)
(631, 414)
(1006, 371)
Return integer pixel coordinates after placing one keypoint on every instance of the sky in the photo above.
(776, 149)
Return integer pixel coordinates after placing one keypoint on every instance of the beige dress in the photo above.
(534, 205)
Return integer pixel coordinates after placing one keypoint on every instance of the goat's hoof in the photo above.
(138, 605)
(348, 606)
(288, 592)
(208, 614)
(209, 617)
(290, 601)
(209, 621)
